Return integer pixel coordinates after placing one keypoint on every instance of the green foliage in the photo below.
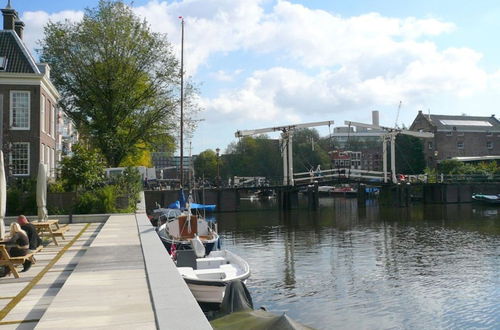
(431, 174)
(128, 185)
(21, 197)
(101, 200)
(119, 81)
(455, 167)
(56, 186)
(84, 169)
(205, 164)
(307, 153)
(410, 157)
(253, 156)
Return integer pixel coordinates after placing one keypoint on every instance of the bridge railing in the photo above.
(332, 174)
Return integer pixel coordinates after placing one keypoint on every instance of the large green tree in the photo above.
(308, 153)
(205, 164)
(119, 81)
(410, 157)
(253, 156)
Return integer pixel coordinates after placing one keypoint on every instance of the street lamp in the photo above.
(217, 150)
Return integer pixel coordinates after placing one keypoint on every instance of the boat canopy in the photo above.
(177, 205)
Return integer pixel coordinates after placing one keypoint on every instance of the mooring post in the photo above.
(361, 195)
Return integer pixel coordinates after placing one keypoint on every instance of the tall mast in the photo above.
(182, 104)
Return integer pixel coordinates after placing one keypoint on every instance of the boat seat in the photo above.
(210, 262)
(188, 271)
(212, 274)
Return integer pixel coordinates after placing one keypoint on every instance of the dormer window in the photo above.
(3, 63)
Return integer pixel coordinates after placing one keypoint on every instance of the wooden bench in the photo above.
(51, 228)
(11, 262)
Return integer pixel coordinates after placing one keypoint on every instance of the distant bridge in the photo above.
(336, 175)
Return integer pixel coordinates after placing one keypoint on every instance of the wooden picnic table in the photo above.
(50, 228)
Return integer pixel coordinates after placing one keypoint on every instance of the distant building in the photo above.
(28, 104)
(168, 166)
(367, 143)
(458, 136)
(68, 135)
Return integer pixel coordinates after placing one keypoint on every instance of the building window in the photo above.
(42, 114)
(460, 145)
(20, 110)
(3, 63)
(489, 145)
(52, 162)
(449, 133)
(53, 121)
(429, 145)
(42, 153)
(19, 158)
(489, 134)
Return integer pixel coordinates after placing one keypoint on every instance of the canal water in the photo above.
(350, 267)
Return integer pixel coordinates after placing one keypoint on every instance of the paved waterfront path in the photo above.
(108, 288)
(23, 301)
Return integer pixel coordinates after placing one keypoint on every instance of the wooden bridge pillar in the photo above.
(396, 195)
(313, 196)
(288, 198)
(361, 195)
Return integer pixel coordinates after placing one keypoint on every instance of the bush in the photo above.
(85, 169)
(21, 197)
(101, 200)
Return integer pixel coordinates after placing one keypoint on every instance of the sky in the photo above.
(266, 63)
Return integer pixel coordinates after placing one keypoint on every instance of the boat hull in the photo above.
(208, 292)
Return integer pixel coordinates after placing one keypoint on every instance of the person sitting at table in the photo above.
(17, 243)
(34, 238)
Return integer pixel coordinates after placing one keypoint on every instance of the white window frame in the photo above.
(53, 121)
(11, 160)
(460, 145)
(489, 145)
(42, 113)
(42, 153)
(450, 133)
(430, 145)
(52, 162)
(11, 111)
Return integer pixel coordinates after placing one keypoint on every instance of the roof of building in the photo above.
(19, 60)
(464, 123)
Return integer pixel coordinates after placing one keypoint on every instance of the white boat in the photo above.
(181, 227)
(208, 276)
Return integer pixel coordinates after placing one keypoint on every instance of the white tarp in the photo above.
(41, 192)
(3, 196)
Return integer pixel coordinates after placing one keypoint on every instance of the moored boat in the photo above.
(487, 199)
(207, 277)
(180, 227)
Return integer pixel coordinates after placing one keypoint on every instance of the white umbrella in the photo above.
(3, 196)
(41, 192)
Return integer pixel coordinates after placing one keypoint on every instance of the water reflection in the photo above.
(427, 266)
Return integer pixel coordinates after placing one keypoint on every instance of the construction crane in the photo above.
(285, 143)
(390, 136)
(397, 114)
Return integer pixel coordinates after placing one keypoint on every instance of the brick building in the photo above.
(458, 136)
(28, 102)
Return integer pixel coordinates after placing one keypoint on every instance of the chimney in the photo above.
(375, 120)
(9, 17)
(19, 27)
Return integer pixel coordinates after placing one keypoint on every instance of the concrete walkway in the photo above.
(108, 288)
(24, 300)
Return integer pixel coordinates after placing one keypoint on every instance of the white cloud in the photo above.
(36, 20)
